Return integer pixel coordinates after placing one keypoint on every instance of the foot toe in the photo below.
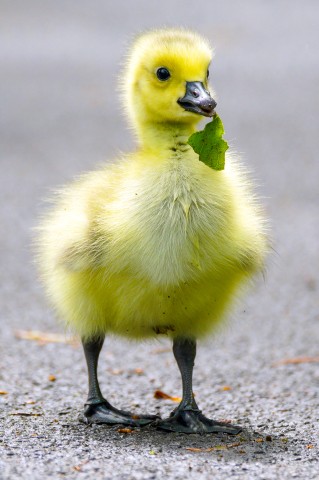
(193, 421)
(105, 413)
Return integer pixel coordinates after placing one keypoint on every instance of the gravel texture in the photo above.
(59, 116)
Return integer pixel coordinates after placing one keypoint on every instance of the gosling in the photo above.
(156, 243)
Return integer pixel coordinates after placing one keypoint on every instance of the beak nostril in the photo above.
(195, 93)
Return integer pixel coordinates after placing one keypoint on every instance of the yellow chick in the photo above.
(156, 242)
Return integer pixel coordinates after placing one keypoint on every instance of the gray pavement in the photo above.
(59, 116)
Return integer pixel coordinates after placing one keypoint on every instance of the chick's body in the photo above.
(157, 242)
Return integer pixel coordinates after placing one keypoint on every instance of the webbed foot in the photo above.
(104, 412)
(193, 421)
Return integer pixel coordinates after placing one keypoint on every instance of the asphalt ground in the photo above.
(59, 116)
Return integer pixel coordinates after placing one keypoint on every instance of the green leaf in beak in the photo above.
(209, 145)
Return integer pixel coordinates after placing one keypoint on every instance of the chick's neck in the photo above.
(162, 137)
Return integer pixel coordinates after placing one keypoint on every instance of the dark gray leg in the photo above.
(92, 351)
(184, 350)
(187, 418)
(97, 409)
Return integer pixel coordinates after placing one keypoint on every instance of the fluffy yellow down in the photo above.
(156, 242)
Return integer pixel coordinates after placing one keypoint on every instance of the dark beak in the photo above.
(197, 100)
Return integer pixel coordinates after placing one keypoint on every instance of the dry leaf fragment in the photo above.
(161, 350)
(259, 440)
(30, 402)
(125, 430)
(78, 468)
(26, 414)
(226, 388)
(135, 416)
(214, 449)
(297, 360)
(52, 378)
(44, 337)
(138, 371)
(164, 396)
(115, 371)
(309, 446)
(3, 392)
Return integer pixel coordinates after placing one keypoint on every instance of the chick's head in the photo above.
(167, 78)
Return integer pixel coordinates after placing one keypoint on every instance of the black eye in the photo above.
(162, 74)
(207, 74)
